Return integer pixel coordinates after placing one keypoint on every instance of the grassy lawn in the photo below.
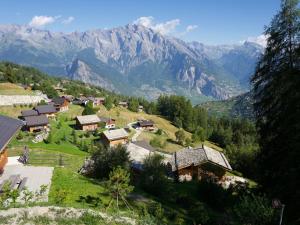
(13, 89)
(12, 111)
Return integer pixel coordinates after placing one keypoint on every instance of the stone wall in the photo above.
(7, 100)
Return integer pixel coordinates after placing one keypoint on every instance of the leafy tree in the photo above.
(106, 159)
(119, 184)
(153, 177)
(14, 194)
(27, 195)
(276, 91)
(49, 139)
(180, 136)
(89, 109)
(158, 142)
(75, 138)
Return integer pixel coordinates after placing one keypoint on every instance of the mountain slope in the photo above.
(134, 60)
(239, 106)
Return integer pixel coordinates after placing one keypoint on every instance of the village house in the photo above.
(112, 138)
(48, 110)
(36, 123)
(27, 113)
(8, 128)
(198, 163)
(108, 123)
(146, 124)
(88, 122)
(123, 104)
(69, 98)
(61, 104)
(97, 101)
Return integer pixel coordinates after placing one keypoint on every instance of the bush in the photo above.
(157, 142)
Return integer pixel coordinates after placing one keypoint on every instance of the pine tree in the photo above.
(276, 88)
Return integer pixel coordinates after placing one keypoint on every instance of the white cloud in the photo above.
(261, 40)
(189, 28)
(40, 21)
(68, 20)
(163, 28)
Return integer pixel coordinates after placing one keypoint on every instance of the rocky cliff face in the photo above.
(133, 60)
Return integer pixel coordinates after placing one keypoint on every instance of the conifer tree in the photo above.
(276, 88)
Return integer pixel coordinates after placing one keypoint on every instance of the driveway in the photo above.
(36, 176)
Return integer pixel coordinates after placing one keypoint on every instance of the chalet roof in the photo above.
(88, 119)
(8, 127)
(30, 112)
(33, 121)
(58, 101)
(145, 145)
(44, 109)
(188, 157)
(143, 123)
(115, 134)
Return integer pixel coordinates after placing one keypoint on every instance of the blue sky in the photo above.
(207, 21)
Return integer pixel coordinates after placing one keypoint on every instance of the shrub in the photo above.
(158, 142)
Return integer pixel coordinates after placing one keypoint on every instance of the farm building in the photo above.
(61, 104)
(114, 137)
(146, 124)
(47, 110)
(198, 163)
(31, 112)
(8, 128)
(88, 122)
(36, 123)
(109, 123)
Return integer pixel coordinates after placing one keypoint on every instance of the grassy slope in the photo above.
(13, 89)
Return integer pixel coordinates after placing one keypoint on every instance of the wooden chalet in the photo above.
(108, 123)
(8, 128)
(97, 100)
(123, 104)
(88, 122)
(61, 104)
(27, 113)
(47, 110)
(36, 123)
(198, 163)
(146, 124)
(113, 138)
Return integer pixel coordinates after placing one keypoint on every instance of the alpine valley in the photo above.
(135, 60)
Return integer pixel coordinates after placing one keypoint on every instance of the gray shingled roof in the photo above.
(8, 127)
(115, 134)
(88, 119)
(143, 123)
(187, 157)
(30, 112)
(58, 100)
(44, 109)
(40, 120)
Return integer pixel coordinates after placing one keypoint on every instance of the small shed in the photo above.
(123, 104)
(114, 137)
(87, 122)
(36, 123)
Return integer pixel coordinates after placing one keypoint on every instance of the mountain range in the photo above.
(134, 60)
